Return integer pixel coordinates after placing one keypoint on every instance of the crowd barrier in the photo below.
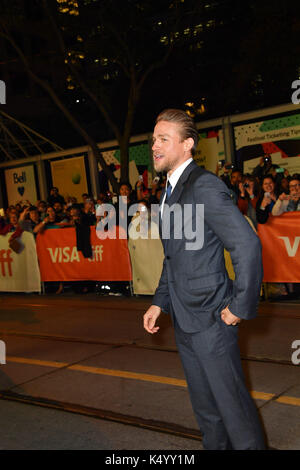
(54, 257)
(19, 272)
(280, 238)
(60, 261)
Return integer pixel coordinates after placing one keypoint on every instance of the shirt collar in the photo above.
(178, 172)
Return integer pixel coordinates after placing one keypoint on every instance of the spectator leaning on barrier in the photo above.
(50, 221)
(29, 218)
(12, 226)
(266, 201)
(288, 202)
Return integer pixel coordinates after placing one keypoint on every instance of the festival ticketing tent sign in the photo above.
(69, 176)
(20, 185)
(279, 137)
(210, 149)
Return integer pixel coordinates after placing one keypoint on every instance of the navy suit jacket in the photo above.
(194, 284)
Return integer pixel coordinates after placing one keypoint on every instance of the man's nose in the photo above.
(155, 146)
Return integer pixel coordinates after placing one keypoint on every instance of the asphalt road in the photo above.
(92, 352)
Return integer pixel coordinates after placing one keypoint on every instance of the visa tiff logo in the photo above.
(2, 92)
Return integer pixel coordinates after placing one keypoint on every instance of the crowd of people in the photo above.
(268, 190)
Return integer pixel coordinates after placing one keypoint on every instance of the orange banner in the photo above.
(280, 238)
(59, 259)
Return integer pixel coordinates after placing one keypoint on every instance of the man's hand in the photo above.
(150, 318)
(284, 197)
(229, 318)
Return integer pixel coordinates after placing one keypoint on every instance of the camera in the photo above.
(229, 166)
(267, 159)
(246, 185)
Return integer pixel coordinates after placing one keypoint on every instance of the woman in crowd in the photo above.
(267, 200)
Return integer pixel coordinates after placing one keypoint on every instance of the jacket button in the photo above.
(168, 257)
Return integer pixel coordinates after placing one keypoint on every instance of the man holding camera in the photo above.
(265, 167)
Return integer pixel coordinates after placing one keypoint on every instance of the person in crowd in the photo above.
(84, 197)
(18, 207)
(248, 197)
(284, 185)
(125, 193)
(232, 182)
(42, 209)
(90, 211)
(154, 190)
(59, 210)
(266, 201)
(55, 197)
(142, 192)
(288, 202)
(12, 225)
(50, 221)
(29, 218)
(265, 167)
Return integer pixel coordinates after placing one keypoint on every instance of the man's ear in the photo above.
(188, 144)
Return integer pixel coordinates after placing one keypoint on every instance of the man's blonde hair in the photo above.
(188, 127)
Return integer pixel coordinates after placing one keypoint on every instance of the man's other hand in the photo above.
(150, 318)
(229, 318)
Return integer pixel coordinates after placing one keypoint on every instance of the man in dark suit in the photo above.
(205, 305)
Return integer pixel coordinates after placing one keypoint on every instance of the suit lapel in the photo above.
(177, 190)
(180, 183)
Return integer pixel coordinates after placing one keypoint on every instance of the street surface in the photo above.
(90, 355)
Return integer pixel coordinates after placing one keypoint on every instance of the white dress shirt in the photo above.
(174, 179)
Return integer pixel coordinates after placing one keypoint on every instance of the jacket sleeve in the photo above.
(161, 297)
(244, 246)
(279, 207)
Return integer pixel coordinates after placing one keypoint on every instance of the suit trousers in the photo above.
(225, 412)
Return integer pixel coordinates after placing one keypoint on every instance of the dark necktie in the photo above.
(169, 191)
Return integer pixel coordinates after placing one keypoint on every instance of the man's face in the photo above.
(124, 190)
(294, 187)
(169, 149)
(13, 218)
(75, 214)
(236, 178)
(34, 216)
(57, 207)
